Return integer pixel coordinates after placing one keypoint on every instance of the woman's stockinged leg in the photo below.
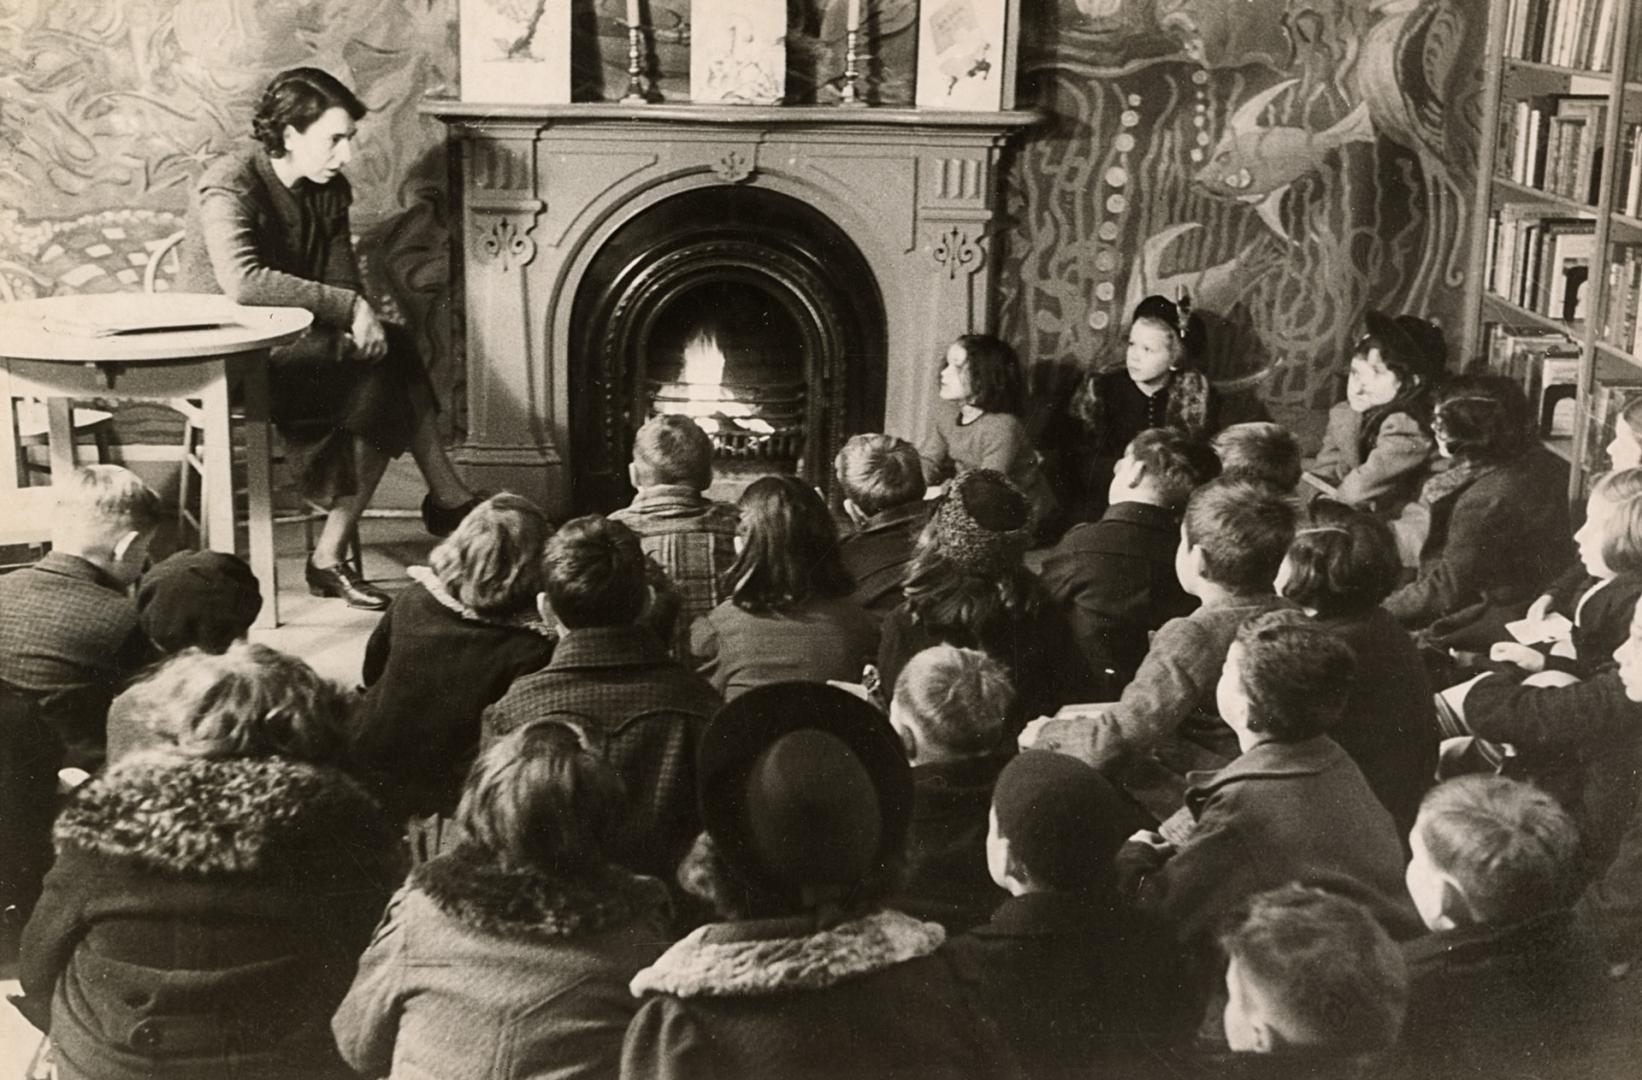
(444, 483)
(343, 518)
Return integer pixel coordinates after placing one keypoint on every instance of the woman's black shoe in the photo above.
(345, 581)
(442, 521)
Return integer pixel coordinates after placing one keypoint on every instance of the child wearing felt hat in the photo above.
(1378, 442)
(966, 586)
(805, 794)
(1072, 978)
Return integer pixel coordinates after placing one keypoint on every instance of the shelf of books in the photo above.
(1558, 217)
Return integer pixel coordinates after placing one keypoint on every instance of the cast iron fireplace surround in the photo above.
(823, 257)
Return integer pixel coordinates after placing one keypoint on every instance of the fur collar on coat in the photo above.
(472, 889)
(699, 966)
(211, 818)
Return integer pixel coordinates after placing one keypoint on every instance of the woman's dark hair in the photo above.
(1483, 418)
(542, 798)
(994, 374)
(791, 549)
(297, 98)
(1416, 391)
(972, 611)
(1342, 561)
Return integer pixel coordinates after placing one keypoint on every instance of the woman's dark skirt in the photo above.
(322, 397)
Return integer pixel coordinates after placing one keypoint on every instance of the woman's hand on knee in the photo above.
(369, 339)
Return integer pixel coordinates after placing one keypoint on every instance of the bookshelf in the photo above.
(1557, 217)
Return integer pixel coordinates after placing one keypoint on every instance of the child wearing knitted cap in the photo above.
(966, 586)
(1069, 975)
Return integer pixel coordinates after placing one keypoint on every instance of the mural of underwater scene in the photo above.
(1291, 163)
(110, 108)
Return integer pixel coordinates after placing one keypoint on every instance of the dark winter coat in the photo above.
(431, 666)
(947, 878)
(1280, 812)
(1522, 1000)
(484, 972)
(877, 553)
(773, 998)
(1075, 984)
(1388, 726)
(1497, 538)
(203, 919)
(1115, 580)
(1113, 410)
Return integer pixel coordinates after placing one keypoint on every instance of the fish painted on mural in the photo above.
(1257, 165)
(1213, 288)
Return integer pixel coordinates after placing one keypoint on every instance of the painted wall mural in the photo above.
(1291, 163)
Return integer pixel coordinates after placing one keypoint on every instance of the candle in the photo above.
(853, 22)
(633, 14)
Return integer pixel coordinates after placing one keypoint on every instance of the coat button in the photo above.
(147, 1035)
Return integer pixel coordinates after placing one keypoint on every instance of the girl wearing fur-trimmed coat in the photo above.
(203, 918)
(512, 973)
(1153, 388)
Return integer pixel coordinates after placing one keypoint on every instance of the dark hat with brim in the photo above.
(1409, 341)
(803, 784)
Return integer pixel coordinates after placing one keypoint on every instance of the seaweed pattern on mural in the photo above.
(1288, 189)
(109, 108)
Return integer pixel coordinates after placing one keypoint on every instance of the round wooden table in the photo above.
(189, 347)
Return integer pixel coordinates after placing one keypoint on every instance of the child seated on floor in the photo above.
(1262, 452)
(449, 645)
(1576, 626)
(950, 709)
(1115, 577)
(979, 425)
(1071, 978)
(1293, 806)
(1155, 386)
(1341, 566)
(689, 536)
(882, 480)
(1378, 443)
(1165, 724)
(1311, 975)
(1508, 981)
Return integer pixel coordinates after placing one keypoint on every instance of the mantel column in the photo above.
(507, 399)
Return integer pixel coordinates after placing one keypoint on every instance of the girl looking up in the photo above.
(980, 426)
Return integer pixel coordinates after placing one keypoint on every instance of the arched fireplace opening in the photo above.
(742, 308)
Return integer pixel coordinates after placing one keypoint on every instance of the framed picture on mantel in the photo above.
(966, 54)
(515, 51)
(738, 52)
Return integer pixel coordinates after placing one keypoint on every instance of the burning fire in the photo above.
(708, 401)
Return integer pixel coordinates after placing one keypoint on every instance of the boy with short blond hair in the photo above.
(882, 480)
(70, 638)
(1509, 980)
(1166, 723)
(689, 536)
(1311, 973)
(69, 632)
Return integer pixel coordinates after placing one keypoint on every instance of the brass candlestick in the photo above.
(636, 94)
(849, 94)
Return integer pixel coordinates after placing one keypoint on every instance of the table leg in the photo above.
(8, 431)
(60, 438)
(259, 483)
(217, 511)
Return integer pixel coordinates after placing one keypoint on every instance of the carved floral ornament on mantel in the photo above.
(733, 167)
(507, 242)
(956, 250)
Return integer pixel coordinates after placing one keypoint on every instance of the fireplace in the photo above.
(742, 308)
(786, 276)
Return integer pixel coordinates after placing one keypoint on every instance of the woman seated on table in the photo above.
(268, 224)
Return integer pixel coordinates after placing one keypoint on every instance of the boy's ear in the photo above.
(908, 736)
(856, 514)
(1453, 907)
(633, 474)
(545, 610)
